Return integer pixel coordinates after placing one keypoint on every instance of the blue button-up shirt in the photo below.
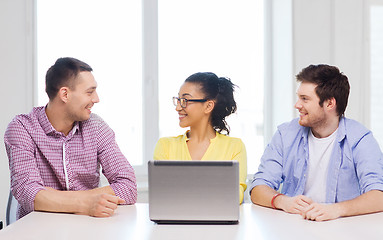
(355, 167)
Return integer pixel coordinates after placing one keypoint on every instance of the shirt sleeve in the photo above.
(271, 168)
(241, 157)
(115, 166)
(26, 181)
(161, 151)
(369, 164)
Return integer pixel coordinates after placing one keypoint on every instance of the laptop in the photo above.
(194, 191)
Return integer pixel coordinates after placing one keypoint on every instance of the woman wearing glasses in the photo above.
(203, 103)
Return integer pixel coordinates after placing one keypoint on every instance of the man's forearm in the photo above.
(369, 202)
(51, 200)
(262, 195)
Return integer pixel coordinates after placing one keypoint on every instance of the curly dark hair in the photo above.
(220, 90)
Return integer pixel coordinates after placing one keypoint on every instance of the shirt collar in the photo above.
(185, 137)
(47, 126)
(44, 121)
(341, 130)
(305, 133)
(340, 135)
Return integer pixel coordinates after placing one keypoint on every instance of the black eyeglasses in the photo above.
(184, 102)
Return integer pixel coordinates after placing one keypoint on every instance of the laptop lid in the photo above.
(193, 191)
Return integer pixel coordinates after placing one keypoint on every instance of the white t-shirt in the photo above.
(320, 150)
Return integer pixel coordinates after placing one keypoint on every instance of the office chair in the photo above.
(11, 209)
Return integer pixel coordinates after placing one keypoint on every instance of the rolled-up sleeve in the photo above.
(369, 164)
(115, 166)
(270, 170)
(26, 181)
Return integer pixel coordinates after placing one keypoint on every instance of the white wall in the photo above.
(332, 32)
(15, 75)
(323, 31)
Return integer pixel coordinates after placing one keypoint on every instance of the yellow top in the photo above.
(221, 147)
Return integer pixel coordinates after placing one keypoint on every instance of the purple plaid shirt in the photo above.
(36, 158)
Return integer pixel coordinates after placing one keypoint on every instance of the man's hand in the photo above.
(294, 205)
(98, 202)
(263, 195)
(101, 205)
(321, 212)
(307, 208)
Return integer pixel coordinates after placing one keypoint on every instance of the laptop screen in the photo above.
(189, 191)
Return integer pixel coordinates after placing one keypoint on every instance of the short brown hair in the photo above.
(331, 83)
(62, 73)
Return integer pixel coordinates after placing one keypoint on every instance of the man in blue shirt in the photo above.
(329, 166)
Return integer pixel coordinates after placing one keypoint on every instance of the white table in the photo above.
(132, 222)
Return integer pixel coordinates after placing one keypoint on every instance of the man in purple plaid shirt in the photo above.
(55, 152)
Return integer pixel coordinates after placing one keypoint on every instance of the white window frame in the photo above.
(150, 125)
(367, 60)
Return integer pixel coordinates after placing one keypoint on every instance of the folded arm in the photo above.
(263, 195)
(99, 202)
(369, 202)
(368, 160)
